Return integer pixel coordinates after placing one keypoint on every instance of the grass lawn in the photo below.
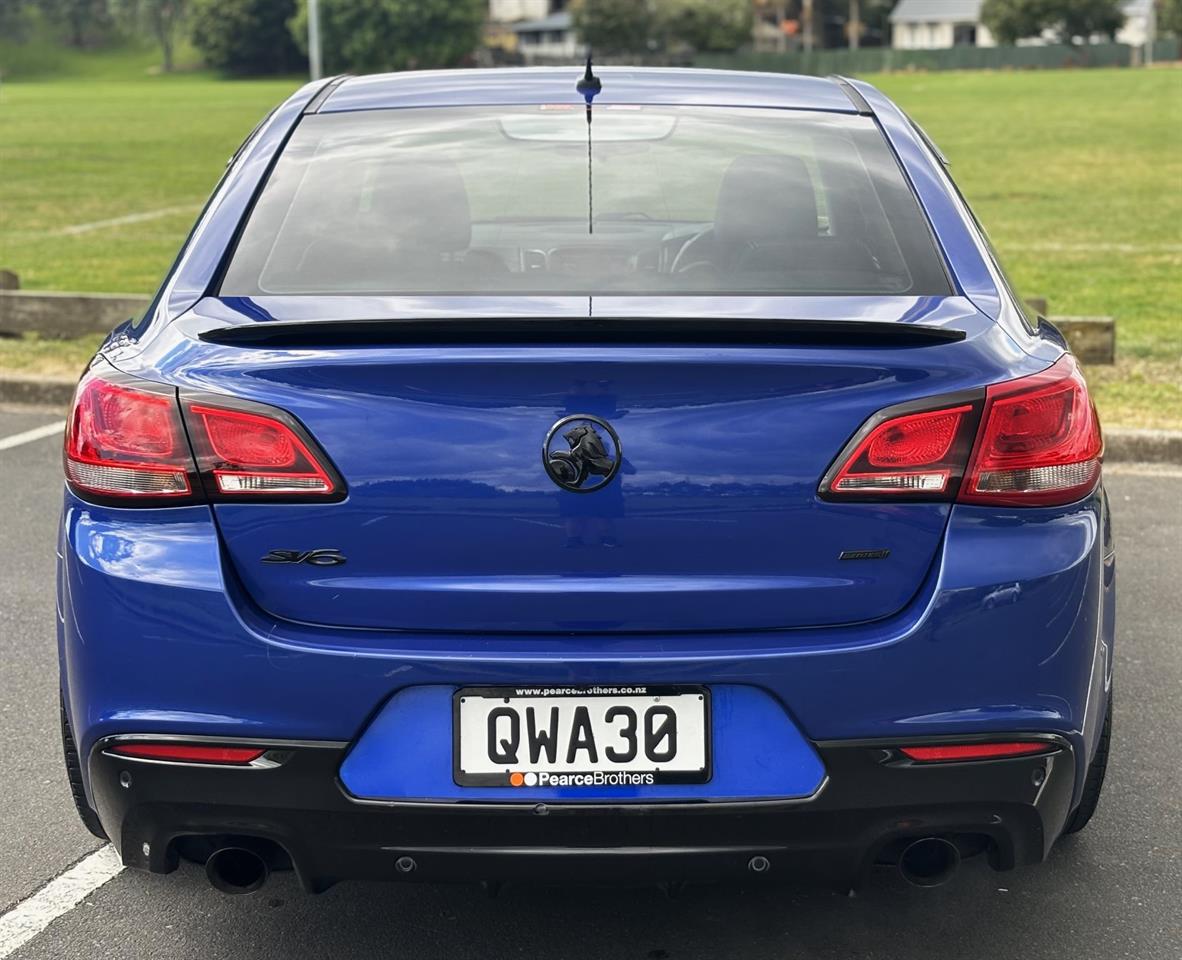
(1076, 174)
(30, 355)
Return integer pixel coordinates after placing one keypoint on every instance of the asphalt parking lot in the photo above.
(1114, 891)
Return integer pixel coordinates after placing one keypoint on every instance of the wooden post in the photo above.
(9, 280)
(1092, 339)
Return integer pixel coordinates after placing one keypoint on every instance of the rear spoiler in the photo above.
(499, 330)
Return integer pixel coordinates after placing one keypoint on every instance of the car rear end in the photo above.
(648, 488)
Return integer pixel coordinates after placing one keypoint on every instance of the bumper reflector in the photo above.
(188, 753)
(945, 752)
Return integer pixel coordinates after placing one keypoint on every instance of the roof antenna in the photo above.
(589, 86)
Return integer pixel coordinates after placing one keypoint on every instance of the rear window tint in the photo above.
(527, 200)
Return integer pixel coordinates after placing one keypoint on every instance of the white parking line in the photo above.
(78, 228)
(61, 895)
(37, 433)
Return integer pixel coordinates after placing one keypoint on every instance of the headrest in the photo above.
(422, 206)
(766, 198)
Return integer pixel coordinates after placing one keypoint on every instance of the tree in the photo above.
(1082, 18)
(705, 25)
(87, 22)
(246, 36)
(163, 19)
(375, 35)
(614, 26)
(12, 19)
(1012, 20)
(1169, 17)
(876, 16)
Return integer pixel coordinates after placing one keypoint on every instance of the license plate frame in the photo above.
(501, 779)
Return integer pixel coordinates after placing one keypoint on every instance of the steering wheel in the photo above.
(693, 253)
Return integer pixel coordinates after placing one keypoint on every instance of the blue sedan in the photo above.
(642, 474)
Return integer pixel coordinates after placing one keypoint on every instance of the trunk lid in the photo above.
(713, 522)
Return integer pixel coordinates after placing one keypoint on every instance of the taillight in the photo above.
(248, 454)
(1039, 442)
(912, 453)
(127, 445)
(1034, 441)
(907, 453)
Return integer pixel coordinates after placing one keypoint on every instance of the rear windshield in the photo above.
(530, 200)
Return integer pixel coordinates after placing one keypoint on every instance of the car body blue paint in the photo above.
(157, 637)
(757, 755)
(997, 620)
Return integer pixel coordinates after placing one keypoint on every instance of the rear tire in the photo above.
(88, 817)
(1094, 782)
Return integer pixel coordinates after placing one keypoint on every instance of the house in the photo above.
(1140, 27)
(935, 24)
(510, 11)
(549, 37)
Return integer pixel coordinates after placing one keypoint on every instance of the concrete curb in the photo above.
(37, 391)
(1122, 446)
(1143, 446)
(56, 314)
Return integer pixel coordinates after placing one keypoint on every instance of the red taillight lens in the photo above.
(127, 442)
(918, 454)
(127, 445)
(189, 753)
(1039, 442)
(247, 453)
(947, 752)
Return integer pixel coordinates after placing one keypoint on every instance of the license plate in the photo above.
(580, 736)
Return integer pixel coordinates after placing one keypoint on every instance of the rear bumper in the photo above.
(1012, 631)
(868, 807)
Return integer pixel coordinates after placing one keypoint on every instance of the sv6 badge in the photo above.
(318, 558)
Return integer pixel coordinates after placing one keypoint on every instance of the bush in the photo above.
(13, 20)
(706, 25)
(1012, 20)
(87, 23)
(367, 36)
(614, 26)
(248, 37)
